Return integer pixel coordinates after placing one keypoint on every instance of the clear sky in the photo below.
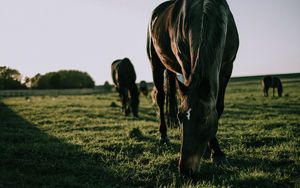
(39, 36)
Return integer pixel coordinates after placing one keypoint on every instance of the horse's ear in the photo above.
(182, 88)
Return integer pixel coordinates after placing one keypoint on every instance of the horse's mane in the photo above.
(211, 44)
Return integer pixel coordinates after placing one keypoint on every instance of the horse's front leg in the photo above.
(217, 155)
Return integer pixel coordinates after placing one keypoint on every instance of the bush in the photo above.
(64, 79)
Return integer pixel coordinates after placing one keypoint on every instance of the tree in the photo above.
(8, 73)
(10, 78)
(54, 81)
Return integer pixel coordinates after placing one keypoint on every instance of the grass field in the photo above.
(80, 141)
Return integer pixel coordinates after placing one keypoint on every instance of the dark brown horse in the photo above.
(273, 82)
(144, 88)
(197, 40)
(124, 77)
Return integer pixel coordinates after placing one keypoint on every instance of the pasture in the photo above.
(80, 141)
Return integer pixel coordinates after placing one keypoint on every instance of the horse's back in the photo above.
(176, 30)
(271, 81)
(267, 81)
(160, 9)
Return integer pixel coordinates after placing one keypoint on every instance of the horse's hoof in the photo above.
(127, 112)
(164, 140)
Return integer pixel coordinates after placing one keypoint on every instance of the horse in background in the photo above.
(272, 82)
(124, 77)
(144, 88)
(153, 95)
(197, 39)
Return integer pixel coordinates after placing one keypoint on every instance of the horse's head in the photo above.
(198, 121)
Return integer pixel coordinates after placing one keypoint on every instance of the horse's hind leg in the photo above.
(216, 153)
(158, 78)
(124, 99)
(171, 110)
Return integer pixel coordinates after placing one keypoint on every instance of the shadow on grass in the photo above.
(256, 141)
(256, 164)
(32, 158)
(95, 128)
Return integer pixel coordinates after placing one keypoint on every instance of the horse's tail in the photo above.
(171, 101)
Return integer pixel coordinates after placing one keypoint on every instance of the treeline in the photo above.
(63, 79)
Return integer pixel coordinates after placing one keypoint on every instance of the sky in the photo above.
(40, 36)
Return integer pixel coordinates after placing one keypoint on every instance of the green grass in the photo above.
(80, 141)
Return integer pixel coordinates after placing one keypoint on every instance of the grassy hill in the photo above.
(80, 141)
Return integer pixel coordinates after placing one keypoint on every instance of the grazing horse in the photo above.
(144, 88)
(274, 82)
(124, 77)
(198, 41)
(153, 95)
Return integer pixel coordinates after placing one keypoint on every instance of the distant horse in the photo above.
(198, 40)
(153, 95)
(144, 88)
(273, 82)
(124, 78)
